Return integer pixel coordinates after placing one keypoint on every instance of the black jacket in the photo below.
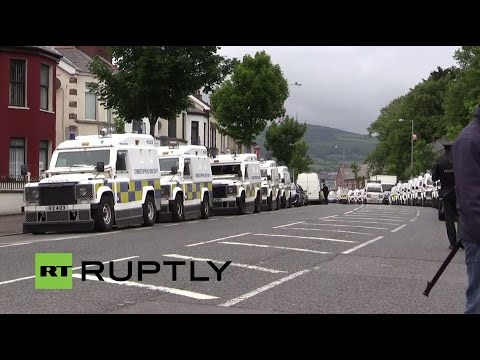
(466, 163)
(443, 171)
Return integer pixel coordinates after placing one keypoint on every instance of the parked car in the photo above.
(299, 196)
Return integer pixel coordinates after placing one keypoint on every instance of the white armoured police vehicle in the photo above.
(236, 182)
(186, 179)
(95, 182)
(270, 184)
(285, 187)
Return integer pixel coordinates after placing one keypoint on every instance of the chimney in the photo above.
(93, 51)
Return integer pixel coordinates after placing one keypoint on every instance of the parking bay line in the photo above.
(275, 247)
(262, 289)
(306, 237)
(190, 294)
(220, 239)
(331, 230)
(355, 226)
(398, 228)
(361, 245)
(73, 269)
(281, 226)
(361, 222)
(355, 217)
(246, 266)
(59, 239)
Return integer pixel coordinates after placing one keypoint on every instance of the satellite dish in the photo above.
(58, 83)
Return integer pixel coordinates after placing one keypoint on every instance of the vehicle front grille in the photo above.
(57, 194)
(219, 191)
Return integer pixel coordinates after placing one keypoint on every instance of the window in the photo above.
(43, 156)
(82, 158)
(121, 164)
(44, 86)
(137, 126)
(109, 115)
(194, 132)
(167, 163)
(17, 156)
(172, 128)
(186, 168)
(17, 83)
(90, 103)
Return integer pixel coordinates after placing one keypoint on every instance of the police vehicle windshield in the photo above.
(167, 163)
(225, 169)
(263, 173)
(82, 158)
(374, 189)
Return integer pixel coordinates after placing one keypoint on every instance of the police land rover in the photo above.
(95, 182)
(285, 187)
(186, 178)
(270, 184)
(236, 182)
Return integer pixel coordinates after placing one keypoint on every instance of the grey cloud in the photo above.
(346, 87)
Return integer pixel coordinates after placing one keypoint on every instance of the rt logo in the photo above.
(53, 271)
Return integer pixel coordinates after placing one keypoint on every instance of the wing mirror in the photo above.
(100, 166)
(174, 170)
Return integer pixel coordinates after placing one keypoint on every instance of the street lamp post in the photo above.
(296, 83)
(411, 147)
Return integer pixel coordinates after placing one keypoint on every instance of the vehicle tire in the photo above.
(257, 203)
(149, 211)
(177, 209)
(103, 215)
(205, 209)
(289, 203)
(306, 201)
(241, 204)
(283, 202)
(270, 202)
(277, 202)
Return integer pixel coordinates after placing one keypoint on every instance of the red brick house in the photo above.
(27, 108)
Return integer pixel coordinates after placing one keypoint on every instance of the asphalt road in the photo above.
(347, 259)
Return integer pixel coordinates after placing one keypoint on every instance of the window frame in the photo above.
(16, 82)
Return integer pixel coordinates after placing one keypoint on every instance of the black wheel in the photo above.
(241, 204)
(289, 202)
(270, 202)
(103, 215)
(257, 203)
(277, 202)
(149, 211)
(177, 208)
(205, 210)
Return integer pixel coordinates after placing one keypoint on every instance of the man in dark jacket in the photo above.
(466, 163)
(325, 192)
(443, 171)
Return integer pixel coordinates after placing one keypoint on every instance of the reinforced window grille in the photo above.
(17, 156)
(44, 86)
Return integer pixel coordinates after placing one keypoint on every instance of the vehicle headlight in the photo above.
(31, 194)
(84, 191)
(231, 190)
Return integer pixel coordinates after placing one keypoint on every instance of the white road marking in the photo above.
(358, 208)
(362, 245)
(230, 217)
(281, 226)
(75, 268)
(190, 294)
(15, 244)
(246, 266)
(354, 217)
(327, 217)
(412, 220)
(306, 237)
(361, 222)
(331, 230)
(355, 226)
(192, 222)
(398, 228)
(212, 219)
(348, 212)
(418, 213)
(62, 238)
(142, 228)
(262, 289)
(274, 247)
(220, 239)
(174, 224)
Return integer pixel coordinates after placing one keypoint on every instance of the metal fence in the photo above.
(13, 183)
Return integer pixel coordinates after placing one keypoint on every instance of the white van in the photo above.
(310, 182)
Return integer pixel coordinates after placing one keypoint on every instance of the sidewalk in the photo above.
(11, 224)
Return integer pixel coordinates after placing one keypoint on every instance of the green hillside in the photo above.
(322, 140)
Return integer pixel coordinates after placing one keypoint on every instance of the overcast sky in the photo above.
(345, 87)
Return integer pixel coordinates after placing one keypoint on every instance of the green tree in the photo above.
(119, 124)
(355, 170)
(254, 95)
(155, 81)
(300, 161)
(281, 139)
